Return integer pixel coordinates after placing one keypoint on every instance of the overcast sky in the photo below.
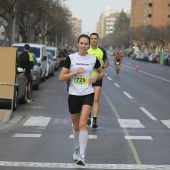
(90, 10)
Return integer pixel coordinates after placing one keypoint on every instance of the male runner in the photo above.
(100, 53)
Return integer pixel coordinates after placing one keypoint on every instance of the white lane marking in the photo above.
(43, 127)
(166, 123)
(147, 113)
(37, 121)
(128, 95)
(130, 123)
(87, 166)
(109, 78)
(89, 136)
(116, 85)
(148, 74)
(19, 135)
(139, 137)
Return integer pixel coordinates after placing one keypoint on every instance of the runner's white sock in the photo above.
(83, 138)
(76, 139)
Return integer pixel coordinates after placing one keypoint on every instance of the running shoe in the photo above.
(94, 124)
(76, 154)
(89, 121)
(81, 160)
(30, 101)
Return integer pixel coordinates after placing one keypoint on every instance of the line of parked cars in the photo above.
(146, 56)
(46, 62)
(150, 57)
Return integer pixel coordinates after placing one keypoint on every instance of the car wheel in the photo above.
(15, 100)
(43, 79)
(36, 87)
(52, 74)
(23, 99)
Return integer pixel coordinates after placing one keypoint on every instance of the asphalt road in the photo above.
(134, 124)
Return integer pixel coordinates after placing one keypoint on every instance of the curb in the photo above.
(6, 116)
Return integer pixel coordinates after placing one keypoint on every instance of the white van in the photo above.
(54, 52)
(40, 53)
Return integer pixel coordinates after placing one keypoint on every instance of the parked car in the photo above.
(56, 59)
(167, 60)
(40, 53)
(19, 80)
(138, 55)
(145, 56)
(52, 63)
(36, 74)
(153, 58)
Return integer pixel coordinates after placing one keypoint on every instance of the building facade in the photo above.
(107, 19)
(76, 26)
(150, 12)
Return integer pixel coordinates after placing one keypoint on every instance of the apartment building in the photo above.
(76, 26)
(105, 24)
(150, 12)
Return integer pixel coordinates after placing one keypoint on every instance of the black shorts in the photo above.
(75, 103)
(98, 83)
(29, 77)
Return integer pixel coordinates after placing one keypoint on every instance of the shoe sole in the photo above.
(79, 162)
(75, 159)
(94, 126)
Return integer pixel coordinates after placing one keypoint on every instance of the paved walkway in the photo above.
(2, 114)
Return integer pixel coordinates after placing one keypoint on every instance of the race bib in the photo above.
(117, 62)
(81, 81)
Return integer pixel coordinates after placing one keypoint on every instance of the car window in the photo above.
(50, 56)
(52, 51)
(35, 61)
(34, 50)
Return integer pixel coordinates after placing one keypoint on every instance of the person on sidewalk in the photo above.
(78, 68)
(26, 60)
(100, 53)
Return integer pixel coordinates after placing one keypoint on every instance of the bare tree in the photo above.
(41, 17)
(7, 15)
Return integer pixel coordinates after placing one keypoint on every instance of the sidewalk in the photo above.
(4, 115)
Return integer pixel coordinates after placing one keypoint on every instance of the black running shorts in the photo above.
(29, 77)
(98, 83)
(75, 103)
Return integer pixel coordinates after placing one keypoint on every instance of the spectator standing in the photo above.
(26, 60)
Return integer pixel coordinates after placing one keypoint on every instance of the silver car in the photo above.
(36, 74)
(51, 63)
